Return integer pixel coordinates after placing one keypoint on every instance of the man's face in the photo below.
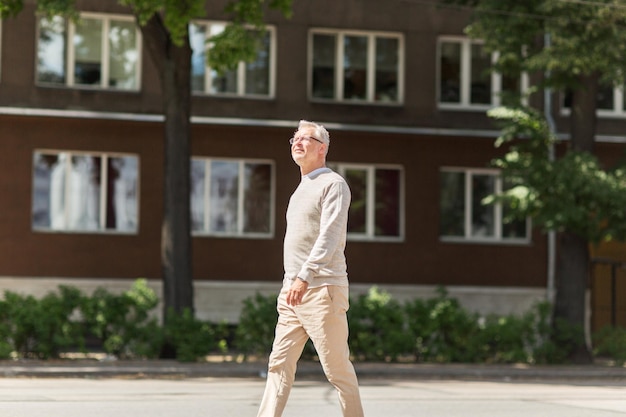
(306, 150)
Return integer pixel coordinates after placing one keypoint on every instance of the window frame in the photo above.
(105, 156)
(241, 67)
(617, 112)
(370, 222)
(70, 58)
(467, 215)
(240, 233)
(372, 36)
(465, 74)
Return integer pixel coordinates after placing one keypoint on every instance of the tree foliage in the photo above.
(572, 193)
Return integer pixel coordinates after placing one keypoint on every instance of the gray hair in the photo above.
(320, 131)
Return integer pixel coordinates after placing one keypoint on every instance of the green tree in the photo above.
(577, 47)
(165, 28)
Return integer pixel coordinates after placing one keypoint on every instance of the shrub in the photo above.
(377, 327)
(192, 338)
(255, 332)
(611, 342)
(41, 328)
(122, 322)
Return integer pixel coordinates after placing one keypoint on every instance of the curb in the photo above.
(306, 370)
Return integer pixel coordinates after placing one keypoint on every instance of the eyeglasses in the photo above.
(301, 138)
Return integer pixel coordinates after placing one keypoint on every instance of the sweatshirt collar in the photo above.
(315, 173)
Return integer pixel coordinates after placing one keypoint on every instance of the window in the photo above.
(98, 51)
(357, 67)
(466, 79)
(232, 197)
(249, 79)
(85, 192)
(463, 214)
(377, 199)
(611, 101)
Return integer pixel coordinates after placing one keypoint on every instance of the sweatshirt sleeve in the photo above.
(333, 223)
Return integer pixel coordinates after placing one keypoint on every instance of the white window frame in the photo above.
(240, 233)
(498, 215)
(466, 76)
(70, 63)
(371, 66)
(619, 107)
(370, 222)
(103, 192)
(241, 68)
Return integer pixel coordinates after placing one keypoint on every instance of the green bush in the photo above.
(42, 328)
(611, 342)
(122, 322)
(377, 327)
(255, 332)
(192, 338)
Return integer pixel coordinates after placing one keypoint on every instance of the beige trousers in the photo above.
(321, 317)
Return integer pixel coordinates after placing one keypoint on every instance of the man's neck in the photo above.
(307, 170)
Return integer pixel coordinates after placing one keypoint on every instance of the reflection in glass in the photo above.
(68, 192)
(123, 55)
(257, 198)
(51, 50)
(480, 87)
(324, 66)
(357, 217)
(88, 52)
(198, 175)
(355, 68)
(122, 197)
(197, 39)
(258, 71)
(483, 215)
(452, 204)
(387, 69)
(387, 210)
(450, 72)
(224, 196)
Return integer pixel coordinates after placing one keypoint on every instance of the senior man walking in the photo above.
(314, 297)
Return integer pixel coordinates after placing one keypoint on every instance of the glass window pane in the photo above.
(198, 198)
(480, 88)
(515, 229)
(387, 213)
(324, 66)
(483, 216)
(357, 217)
(88, 52)
(387, 69)
(227, 81)
(84, 184)
(450, 73)
(197, 39)
(605, 97)
(51, 51)
(258, 72)
(49, 191)
(355, 68)
(122, 193)
(224, 196)
(257, 198)
(123, 55)
(452, 204)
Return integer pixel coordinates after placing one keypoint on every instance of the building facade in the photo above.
(400, 88)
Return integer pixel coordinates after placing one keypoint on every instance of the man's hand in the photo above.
(296, 292)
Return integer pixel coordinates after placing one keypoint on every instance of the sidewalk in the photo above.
(306, 370)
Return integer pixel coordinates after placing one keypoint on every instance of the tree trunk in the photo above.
(573, 261)
(174, 66)
(571, 287)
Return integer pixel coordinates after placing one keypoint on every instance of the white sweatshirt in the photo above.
(317, 219)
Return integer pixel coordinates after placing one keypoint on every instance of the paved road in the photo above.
(238, 397)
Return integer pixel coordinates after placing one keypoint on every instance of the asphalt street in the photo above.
(124, 396)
